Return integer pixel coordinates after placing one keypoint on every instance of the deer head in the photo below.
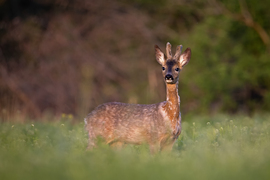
(172, 65)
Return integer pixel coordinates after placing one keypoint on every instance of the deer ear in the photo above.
(185, 57)
(159, 56)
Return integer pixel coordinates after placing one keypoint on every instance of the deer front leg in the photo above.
(167, 147)
(167, 143)
(154, 148)
(116, 145)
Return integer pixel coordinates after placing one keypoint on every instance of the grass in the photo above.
(219, 147)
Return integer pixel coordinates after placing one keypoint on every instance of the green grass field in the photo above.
(219, 147)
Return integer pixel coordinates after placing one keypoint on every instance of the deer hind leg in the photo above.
(91, 140)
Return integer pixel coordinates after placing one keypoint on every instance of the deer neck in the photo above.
(173, 100)
(172, 105)
(171, 108)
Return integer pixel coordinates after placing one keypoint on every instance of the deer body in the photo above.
(158, 125)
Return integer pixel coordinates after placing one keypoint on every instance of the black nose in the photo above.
(169, 77)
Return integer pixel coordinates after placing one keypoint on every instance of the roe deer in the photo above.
(158, 125)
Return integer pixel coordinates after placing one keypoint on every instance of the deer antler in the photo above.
(178, 52)
(169, 50)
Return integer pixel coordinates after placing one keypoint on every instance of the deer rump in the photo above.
(129, 123)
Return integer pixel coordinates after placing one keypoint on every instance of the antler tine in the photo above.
(178, 52)
(169, 50)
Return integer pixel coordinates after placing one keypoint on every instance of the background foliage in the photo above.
(69, 56)
(60, 59)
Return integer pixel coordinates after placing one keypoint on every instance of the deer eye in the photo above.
(177, 69)
(163, 68)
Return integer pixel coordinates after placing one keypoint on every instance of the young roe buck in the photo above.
(158, 125)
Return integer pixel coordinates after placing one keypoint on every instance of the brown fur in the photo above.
(158, 125)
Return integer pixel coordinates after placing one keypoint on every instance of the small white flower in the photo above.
(32, 125)
(208, 123)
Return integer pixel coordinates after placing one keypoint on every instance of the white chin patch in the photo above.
(169, 81)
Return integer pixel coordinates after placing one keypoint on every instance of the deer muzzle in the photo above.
(169, 78)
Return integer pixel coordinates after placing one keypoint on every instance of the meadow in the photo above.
(218, 147)
(70, 56)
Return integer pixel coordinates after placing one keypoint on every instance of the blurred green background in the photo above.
(60, 59)
(69, 56)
